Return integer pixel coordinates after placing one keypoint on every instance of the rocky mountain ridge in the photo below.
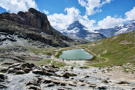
(32, 25)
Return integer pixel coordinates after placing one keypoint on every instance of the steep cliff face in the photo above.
(32, 25)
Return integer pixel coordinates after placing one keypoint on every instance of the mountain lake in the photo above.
(76, 54)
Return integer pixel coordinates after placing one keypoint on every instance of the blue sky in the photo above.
(115, 8)
(58, 6)
(93, 14)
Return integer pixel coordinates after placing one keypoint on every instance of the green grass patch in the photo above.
(46, 51)
(117, 50)
(48, 62)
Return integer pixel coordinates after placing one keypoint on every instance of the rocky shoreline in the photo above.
(26, 76)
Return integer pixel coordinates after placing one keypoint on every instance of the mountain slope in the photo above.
(32, 25)
(116, 50)
(77, 31)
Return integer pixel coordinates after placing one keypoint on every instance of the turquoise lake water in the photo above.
(76, 54)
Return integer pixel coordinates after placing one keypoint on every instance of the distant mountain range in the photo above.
(130, 26)
(79, 32)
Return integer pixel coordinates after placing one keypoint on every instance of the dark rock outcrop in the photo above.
(68, 75)
(32, 25)
(20, 68)
(123, 82)
(2, 77)
(43, 72)
(3, 86)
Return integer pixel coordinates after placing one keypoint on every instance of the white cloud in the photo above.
(73, 12)
(89, 24)
(17, 5)
(61, 21)
(110, 22)
(130, 14)
(93, 6)
(46, 11)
